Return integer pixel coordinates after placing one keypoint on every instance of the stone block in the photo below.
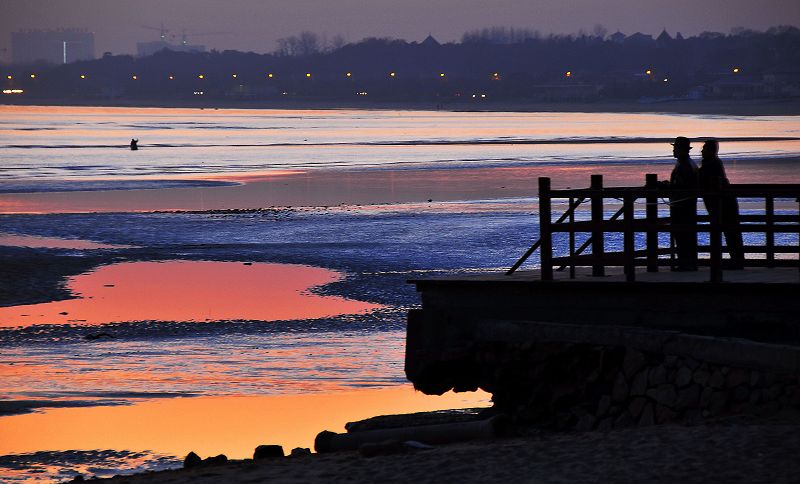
(688, 397)
(585, 423)
(657, 375)
(705, 397)
(701, 377)
(671, 361)
(794, 395)
(691, 363)
(639, 385)
(717, 380)
(633, 362)
(736, 377)
(683, 377)
(636, 406)
(620, 391)
(605, 424)
(718, 402)
(625, 420)
(603, 405)
(648, 416)
(268, 452)
(741, 393)
(664, 394)
(665, 414)
(774, 391)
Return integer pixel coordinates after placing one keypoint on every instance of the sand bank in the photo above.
(742, 107)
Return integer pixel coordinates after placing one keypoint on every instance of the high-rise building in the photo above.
(60, 46)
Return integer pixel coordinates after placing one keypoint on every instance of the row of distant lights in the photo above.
(495, 75)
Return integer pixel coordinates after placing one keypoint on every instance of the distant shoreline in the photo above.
(749, 107)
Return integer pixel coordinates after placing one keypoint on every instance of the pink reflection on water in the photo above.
(54, 242)
(189, 291)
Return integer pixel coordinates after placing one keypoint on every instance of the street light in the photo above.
(83, 76)
(648, 72)
(235, 76)
(171, 78)
(134, 77)
(33, 76)
(270, 75)
(308, 75)
(392, 74)
(735, 70)
(349, 74)
(568, 74)
(201, 76)
(441, 74)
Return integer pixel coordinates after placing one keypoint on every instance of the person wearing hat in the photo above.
(683, 208)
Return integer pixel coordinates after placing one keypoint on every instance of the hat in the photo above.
(681, 142)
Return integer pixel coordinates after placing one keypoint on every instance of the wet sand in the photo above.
(321, 188)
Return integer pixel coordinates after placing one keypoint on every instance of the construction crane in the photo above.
(185, 34)
(162, 32)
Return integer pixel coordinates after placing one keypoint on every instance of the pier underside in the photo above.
(579, 352)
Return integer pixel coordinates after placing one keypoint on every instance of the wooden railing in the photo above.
(649, 224)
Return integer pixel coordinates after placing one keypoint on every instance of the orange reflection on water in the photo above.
(213, 425)
(189, 291)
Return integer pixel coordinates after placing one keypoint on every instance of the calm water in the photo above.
(345, 267)
(71, 142)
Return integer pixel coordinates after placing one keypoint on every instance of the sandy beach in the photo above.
(732, 450)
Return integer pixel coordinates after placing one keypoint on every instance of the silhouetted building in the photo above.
(55, 46)
(430, 42)
(639, 37)
(144, 49)
(617, 37)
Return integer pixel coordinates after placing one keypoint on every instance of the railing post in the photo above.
(545, 234)
(715, 231)
(651, 216)
(629, 240)
(769, 208)
(571, 239)
(598, 239)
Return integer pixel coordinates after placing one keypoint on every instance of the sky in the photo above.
(255, 25)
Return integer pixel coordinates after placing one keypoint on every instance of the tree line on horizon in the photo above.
(498, 62)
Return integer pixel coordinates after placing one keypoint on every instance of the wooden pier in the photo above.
(608, 271)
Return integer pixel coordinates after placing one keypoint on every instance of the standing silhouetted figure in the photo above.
(683, 208)
(134, 144)
(712, 178)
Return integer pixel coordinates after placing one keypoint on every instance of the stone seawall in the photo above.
(592, 377)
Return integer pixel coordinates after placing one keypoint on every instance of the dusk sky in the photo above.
(254, 25)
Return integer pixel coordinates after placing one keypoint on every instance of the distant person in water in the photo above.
(712, 177)
(134, 144)
(683, 208)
